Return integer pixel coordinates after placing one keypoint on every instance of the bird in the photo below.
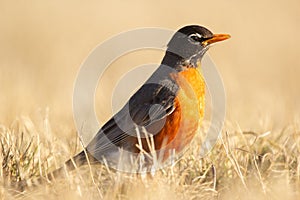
(167, 109)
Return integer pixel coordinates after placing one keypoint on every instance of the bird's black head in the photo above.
(190, 43)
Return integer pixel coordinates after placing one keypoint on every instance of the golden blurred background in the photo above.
(43, 44)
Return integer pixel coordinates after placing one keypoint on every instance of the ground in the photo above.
(242, 165)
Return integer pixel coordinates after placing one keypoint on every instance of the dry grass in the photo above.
(243, 165)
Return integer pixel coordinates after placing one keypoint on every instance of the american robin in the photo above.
(168, 108)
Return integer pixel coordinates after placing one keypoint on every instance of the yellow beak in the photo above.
(216, 38)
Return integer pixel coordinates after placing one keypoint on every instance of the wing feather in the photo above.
(151, 103)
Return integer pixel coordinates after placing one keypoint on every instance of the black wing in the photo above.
(151, 103)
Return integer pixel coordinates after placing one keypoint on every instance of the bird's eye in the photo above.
(195, 38)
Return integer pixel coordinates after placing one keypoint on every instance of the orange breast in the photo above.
(183, 123)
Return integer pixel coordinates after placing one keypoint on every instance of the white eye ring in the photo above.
(193, 36)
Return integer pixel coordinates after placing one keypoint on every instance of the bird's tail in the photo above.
(83, 158)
